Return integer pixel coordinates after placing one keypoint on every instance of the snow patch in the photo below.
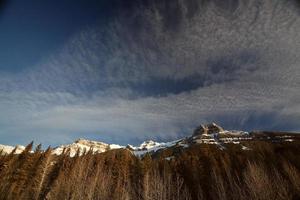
(245, 148)
(8, 149)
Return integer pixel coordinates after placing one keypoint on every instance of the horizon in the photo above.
(158, 140)
(125, 72)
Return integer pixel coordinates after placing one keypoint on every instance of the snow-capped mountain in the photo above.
(5, 149)
(82, 145)
(211, 134)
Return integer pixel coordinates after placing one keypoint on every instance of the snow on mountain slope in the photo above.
(151, 146)
(4, 149)
(83, 145)
(148, 145)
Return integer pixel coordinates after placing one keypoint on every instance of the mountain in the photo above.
(211, 163)
(5, 149)
(211, 134)
(82, 145)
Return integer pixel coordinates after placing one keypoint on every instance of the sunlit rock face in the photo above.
(82, 146)
(208, 129)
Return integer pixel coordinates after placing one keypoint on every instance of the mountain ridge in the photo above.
(211, 134)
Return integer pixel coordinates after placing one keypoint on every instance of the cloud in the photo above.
(159, 72)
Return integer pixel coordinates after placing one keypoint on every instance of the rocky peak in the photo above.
(89, 142)
(148, 144)
(208, 129)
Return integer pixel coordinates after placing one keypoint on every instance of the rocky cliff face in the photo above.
(208, 129)
(82, 145)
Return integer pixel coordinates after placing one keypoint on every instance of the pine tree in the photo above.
(18, 174)
(42, 169)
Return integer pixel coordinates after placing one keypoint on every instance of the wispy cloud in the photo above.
(152, 75)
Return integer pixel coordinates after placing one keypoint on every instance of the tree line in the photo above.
(267, 171)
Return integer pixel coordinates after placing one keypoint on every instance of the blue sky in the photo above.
(32, 30)
(123, 72)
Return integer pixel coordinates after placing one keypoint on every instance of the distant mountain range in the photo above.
(211, 163)
(212, 134)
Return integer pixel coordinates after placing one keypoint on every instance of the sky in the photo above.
(126, 71)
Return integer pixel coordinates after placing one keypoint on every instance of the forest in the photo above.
(267, 171)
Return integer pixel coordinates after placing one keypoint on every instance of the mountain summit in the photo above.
(208, 129)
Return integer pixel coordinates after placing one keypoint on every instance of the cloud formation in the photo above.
(159, 69)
